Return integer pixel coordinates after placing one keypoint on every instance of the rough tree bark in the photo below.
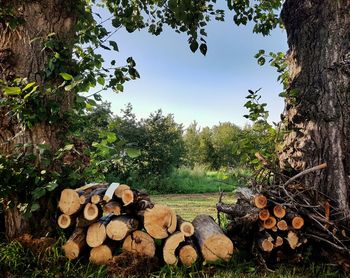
(317, 110)
(22, 57)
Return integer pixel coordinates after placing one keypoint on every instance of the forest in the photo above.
(87, 192)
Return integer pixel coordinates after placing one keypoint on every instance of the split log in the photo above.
(112, 207)
(184, 226)
(270, 223)
(96, 233)
(101, 254)
(213, 243)
(110, 191)
(188, 255)
(141, 243)
(264, 214)
(170, 246)
(293, 240)
(65, 221)
(91, 211)
(279, 211)
(282, 225)
(160, 221)
(75, 244)
(69, 202)
(120, 226)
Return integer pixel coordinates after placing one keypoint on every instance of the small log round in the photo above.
(160, 221)
(269, 223)
(120, 226)
(278, 241)
(279, 211)
(141, 243)
(69, 202)
(184, 226)
(171, 244)
(188, 255)
(96, 234)
(119, 190)
(74, 245)
(65, 221)
(282, 225)
(97, 195)
(297, 222)
(260, 201)
(265, 244)
(127, 197)
(213, 243)
(91, 211)
(112, 207)
(101, 254)
(264, 214)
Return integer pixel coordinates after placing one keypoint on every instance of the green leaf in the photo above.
(51, 186)
(38, 192)
(194, 46)
(34, 207)
(114, 45)
(66, 76)
(101, 80)
(203, 48)
(68, 147)
(12, 91)
(29, 85)
(132, 152)
(111, 137)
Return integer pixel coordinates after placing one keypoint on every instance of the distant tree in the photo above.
(192, 141)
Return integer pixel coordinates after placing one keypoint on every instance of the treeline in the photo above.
(145, 151)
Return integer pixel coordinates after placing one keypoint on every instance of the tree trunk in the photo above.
(22, 57)
(317, 112)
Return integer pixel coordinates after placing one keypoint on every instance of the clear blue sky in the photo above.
(209, 89)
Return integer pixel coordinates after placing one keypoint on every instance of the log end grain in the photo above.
(64, 221)
(96, 235)
(119, 190)
(264, 214)
(91, 211)
(101, 254)
(188, 255)
(170, 246)
(260, 201)
(297, 222)
(279, 211)
(141, 243)
(217, 247)
(69, 202)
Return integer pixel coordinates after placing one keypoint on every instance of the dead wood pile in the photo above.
(109, 220)
(279, 222)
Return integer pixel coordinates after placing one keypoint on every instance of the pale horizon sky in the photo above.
(208, 89)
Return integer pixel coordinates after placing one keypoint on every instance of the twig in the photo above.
(307, 171)
(328, 242)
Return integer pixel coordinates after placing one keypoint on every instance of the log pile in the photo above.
(277, 222)
(104, 220)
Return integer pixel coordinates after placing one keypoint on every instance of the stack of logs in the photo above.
(270, 229)
(108, 219)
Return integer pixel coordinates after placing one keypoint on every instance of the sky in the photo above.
(208, 89)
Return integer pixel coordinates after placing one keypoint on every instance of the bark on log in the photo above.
(112, 207)
(97, 195)
(184, 226)
(120, 226)
(75, 244)
(141, 243)
(160, 221)
(170, 246)
(213, 243)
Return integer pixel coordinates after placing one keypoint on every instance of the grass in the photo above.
(199, 180)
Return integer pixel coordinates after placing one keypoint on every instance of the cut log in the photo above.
(90, 187)
(160, 221)
(264, 214)
(119, 190)
(75, 244)
(279, 211)
(270, 223)
(81, 222)
(282, 225)
(91, 212)
(96, 233)
(260, 201)
(65, 221)
(297, 222)
(184, 226)
(112, 207)
(141, 243)
(127, 197)
(69, 202)
(265, 244)
(101, 254)
(188, 255)
(120, 226)
(170, 246)
(97, 195)
(213, 243)
(278, 241)
(293, 240)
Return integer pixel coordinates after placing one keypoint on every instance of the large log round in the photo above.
(141, 243)
(213, 243)
(69, 202)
